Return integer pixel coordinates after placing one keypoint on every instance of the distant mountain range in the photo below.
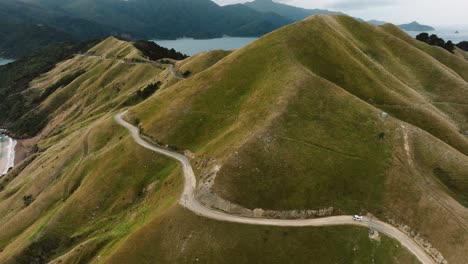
(297, 14)
(291, 12)
(413, 26)
(171, 18)
(26, 25)
(165, 19)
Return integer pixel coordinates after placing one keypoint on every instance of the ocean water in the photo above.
(191, 46)
(448, 33)
(4, 61)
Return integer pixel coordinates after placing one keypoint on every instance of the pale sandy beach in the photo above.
(7, 154)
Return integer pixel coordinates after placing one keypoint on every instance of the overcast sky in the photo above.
(435, 12)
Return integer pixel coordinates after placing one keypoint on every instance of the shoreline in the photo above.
(5, 61)
(22, 146)
(14, 151)
(8, 158)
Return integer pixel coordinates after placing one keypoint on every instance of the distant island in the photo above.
(415, 26)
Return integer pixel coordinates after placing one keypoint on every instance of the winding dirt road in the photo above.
(188, 201)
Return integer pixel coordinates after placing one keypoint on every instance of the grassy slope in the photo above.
(461, 53)
(107, 81)
(75, 198)
(295, 122)
(85, 193)
(214, 126)
(201, 61)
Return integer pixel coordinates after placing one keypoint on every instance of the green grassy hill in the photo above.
(298, 122)
(328, 112)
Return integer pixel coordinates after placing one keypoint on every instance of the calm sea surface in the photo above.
(448, 33)
(192, 46)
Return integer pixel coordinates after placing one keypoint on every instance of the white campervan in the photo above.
(358, 218)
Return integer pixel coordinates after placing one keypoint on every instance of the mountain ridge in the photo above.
(291, 12)
(169, 19)
(54, 21)
(62, 21)
(298, 13)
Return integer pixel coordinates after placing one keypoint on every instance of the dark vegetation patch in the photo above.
(19, 40)
(463, 45)
(27, 200)
(30, 124)
(42, 250)
(15, 78)
(142, 94)
(66, 80)
(186, 73)
(49, 246)
(149, 90)
(155, 52)
(434, 40)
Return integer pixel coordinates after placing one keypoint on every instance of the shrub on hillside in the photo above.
(434, 40)
(155, 52)
(142, 94)
(449, 46)
(186, 73)
(149, 90)
(66, 80)
(463, 45)
(27, 200)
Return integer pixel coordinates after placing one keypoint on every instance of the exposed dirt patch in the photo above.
(374, 235)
